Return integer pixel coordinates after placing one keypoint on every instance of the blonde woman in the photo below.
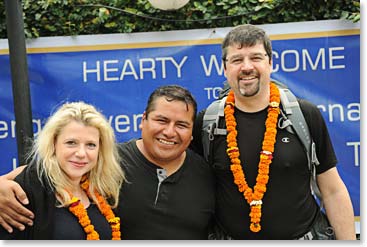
(74, 178)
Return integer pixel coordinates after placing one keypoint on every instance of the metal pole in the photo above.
(19, 75)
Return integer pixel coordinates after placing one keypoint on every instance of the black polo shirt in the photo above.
(154, 206)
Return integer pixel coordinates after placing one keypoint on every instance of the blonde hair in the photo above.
(106, 177)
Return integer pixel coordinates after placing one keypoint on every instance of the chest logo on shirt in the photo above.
(285, 139)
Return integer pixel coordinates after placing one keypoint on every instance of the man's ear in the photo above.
(143, 118)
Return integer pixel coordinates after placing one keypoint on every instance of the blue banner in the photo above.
(116, 73)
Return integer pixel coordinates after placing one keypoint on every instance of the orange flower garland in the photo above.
(77, 208)
(253, 196)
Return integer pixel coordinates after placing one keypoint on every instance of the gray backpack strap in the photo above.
(211, 118)
(294, 118)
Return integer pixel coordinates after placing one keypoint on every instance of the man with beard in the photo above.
(263, 183)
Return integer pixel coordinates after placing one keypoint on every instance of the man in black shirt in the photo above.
(262, 177)
(170, 189)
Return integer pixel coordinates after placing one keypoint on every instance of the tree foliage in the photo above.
(73, 17)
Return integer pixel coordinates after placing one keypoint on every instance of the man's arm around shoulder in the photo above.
(12, 198)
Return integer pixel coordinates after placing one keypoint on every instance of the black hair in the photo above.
(171, 93)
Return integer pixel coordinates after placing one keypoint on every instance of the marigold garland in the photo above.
(77, 208)
(253, 196)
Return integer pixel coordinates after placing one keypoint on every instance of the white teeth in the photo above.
(166, 142)
(247, 78)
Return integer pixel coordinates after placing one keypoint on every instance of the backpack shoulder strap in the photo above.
(295, 118)
(211, 127)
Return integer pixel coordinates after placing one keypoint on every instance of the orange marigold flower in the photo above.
(93, 236)
(255, 227)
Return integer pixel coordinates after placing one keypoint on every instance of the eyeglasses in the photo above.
(253, 58)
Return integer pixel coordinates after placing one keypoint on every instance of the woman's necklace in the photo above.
(76, 207)
(253, 196)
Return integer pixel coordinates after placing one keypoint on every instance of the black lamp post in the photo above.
(19, 75)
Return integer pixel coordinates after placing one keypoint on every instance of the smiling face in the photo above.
(167, 131)
(77, 148)
(248, 69)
